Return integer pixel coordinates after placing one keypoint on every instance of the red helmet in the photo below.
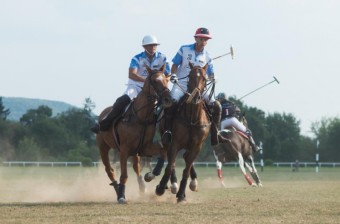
(203, 32)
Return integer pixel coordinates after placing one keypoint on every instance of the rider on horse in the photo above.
(198, 55)
(137, 74)
(230, 112)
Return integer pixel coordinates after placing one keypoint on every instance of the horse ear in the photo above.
(191, 65)
(148, 68)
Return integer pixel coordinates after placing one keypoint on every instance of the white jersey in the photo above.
(185, 55)
(140, 60)
(188, 54)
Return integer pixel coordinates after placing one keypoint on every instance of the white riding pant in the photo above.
(177, 92)
(133, 90)
(233, 122)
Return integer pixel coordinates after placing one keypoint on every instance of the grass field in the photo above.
(82, 195)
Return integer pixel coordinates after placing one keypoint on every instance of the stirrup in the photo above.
(167, 137)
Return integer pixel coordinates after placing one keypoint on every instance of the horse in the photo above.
(132, 134)
(234, 146)
(190, 127)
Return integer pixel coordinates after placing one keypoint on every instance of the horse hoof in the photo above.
(159, 191)
(174, 188)
(149, 177)
(193, 185)
(181, 200)
(122, 201)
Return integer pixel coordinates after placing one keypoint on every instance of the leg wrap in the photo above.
(158, 168)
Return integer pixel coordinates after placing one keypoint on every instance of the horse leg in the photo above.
(123, 176)
(219, 169)
(136, 168)
(172, 152)
(254, 173)
(193, 176)
(149, 176)
(154, 149)
(173, 180)
(241, 163)
(251, 171)
(189, 159)
(104, 154)
(160, 188)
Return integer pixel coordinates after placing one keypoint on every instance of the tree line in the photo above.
(39, 136)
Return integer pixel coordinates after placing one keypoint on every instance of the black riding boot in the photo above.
(168, 116)
(252, 142)
(216, 111)
(117, 109)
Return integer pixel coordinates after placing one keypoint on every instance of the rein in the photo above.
(197, 105)
(152, 99)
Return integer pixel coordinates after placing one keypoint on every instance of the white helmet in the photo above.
(149, 39)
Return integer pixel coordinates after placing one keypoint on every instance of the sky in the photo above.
(69, 50)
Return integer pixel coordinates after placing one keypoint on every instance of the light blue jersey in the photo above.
(138, 62)
(187, 54)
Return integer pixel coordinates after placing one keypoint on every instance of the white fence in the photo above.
(31, 163)
(201, 164)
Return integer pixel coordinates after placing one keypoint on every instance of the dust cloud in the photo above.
(91, 186)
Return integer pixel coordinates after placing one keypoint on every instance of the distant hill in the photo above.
(18, 106)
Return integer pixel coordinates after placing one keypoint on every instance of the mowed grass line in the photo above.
(287, 197)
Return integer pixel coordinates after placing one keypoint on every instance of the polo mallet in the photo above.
(231, 52)
(275, 80)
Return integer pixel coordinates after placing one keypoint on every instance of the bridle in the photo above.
(154, 93)
(158, 92)
(196, 88)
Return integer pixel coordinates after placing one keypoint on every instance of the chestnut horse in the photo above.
(190, 127)
(132, 134)
(235, 146)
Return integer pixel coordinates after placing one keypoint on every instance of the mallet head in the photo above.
(276, 80)
(232, 52)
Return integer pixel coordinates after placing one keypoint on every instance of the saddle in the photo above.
(223, 132)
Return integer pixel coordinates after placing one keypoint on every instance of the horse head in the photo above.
(157, 85)
(197, 81)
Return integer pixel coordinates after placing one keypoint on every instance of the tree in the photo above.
(89, 105)
(3, 112)
(34, 115)
(327, 131)
(283, 137)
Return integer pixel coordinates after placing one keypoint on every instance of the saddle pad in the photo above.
(243, 134)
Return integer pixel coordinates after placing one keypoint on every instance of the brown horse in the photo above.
(190, 127)
(235, 146)
(132, 135)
